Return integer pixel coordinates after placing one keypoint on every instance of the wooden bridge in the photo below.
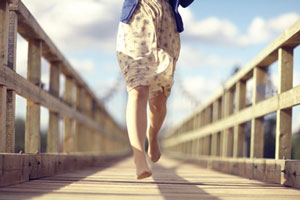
(204, 157)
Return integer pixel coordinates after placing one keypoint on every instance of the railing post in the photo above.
(186, 149)
(196, 121)
(98, 134)
(216, 110)
(106, 137)
(239, 131)
(95, 134)
(4, 26)
(202, 148)
(194, 147)
(207, 142)
(209, 116)
(32, 130)
(101, 120)
(4, 16)
(11, 95)
(284, 116)
(223, 105)
(88, 133)
(257, 124)
(198, 146)
(68, 122)
(183, 147)
(227, 138)
(215, 144)
(53, 130)
(219, 144)
(79, 133)
(3, 93)
(222, 133)
(202, 118)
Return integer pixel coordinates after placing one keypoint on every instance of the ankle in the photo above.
(152, 134)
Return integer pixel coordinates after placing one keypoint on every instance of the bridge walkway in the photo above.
(171, 180)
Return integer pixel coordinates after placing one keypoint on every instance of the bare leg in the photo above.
(136, 118)
(157, 114)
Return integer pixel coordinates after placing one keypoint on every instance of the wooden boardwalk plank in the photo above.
(171, 180)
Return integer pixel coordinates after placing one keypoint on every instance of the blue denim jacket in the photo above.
(130, 5)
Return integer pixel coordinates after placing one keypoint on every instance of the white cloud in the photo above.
(83, 66)
(192, 57)
(77, 24)
(80, 25)
(22, 53)
(262, 30)
(283, 22)
(296, 76)
(213, 30)
(257, 33)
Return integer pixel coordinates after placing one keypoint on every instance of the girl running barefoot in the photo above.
(148, 47)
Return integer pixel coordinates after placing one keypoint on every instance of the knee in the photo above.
(139, 93)
(157, 105)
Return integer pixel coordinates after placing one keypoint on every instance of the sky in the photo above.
(219, 35)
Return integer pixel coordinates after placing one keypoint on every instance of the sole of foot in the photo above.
(143, 175)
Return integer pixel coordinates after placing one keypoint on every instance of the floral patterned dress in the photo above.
(148, 47)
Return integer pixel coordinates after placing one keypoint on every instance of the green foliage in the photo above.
(20, 137)
(296, 146)
(269, 137)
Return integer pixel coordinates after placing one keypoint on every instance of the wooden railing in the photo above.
(216, 132)
(88, 128)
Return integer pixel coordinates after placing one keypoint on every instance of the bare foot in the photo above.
(144, 174)
(154, 149)
(142, 168)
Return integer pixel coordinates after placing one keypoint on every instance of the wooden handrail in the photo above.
(95, 131)
(216, 130)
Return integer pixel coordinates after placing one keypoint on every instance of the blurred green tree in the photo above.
(296, 145)
(20, 137)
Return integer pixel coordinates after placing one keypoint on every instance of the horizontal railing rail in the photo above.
(88, 127)
(216, 131)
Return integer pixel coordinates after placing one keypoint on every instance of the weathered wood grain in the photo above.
(29, 28)
(292, 174)
(53, 130)
(18, 168)
(239, 140)
(171, 179)
(285, 172)
(3, 93)
(284, 117)
(239, 131)
(289, 38)
(289, 98)
(4, 17)
(32, 126)
(68, 141)
(28, 90)
(11, 96)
